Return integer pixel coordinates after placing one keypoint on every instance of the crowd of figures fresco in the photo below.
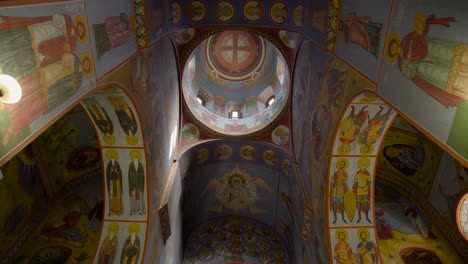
(235, 239)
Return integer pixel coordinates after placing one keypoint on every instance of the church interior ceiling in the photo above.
(363, 160)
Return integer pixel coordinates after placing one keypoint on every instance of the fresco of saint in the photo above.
(350, 128)
(405, 158)
(132, 246)
(366, 252)
(136, 184)
(362, 31)
(101, 119)
(237, 190)
(342, 252)
(338, 188)
(437, 66)
(43, 63)
(114, 32)
(114, 184)
(374, 130)
(126, 118)
(108, 248)
(362, 188)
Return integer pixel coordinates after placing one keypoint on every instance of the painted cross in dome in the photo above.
(236, 49)
(235, 53)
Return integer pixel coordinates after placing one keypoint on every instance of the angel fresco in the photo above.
(126, 118)
(237, 190)
(114, 183)
(114, 32)
(437, 66)
(44, 64)
(136, 184)
(362, 31)
(374, 130)
(101, 118)
(350, 128)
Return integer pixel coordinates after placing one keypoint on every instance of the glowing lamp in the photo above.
(10, 90)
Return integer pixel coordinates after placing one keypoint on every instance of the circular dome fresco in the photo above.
(236, 82)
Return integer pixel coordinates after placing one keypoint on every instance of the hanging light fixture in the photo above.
(10, 90)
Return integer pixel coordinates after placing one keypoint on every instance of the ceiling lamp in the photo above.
(10, 90)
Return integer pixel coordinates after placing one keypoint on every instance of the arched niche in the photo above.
(119, 142)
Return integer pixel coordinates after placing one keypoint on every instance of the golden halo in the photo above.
(363, 163)
(112, 154)
(79, 20)
(339, 161)
(363, 230)
(393, 38)
(240, 176)
(344, 149)
(366, 149)
(134, 228)
(113, 228)
(109, 139)
(131, 140)
(135, 154)
(369, 99)
(341, 231)
(86, 57)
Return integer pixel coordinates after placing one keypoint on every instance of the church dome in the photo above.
(236, 82)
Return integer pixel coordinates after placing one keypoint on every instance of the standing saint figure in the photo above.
(362, 31)
(108, 248)
(361, 186)
(132, 247)
(114, 32)
(342, 252)
(437, 66)
(114, 183)
(101, 118)
(136, 184)
(366, 250)
(126, 118)
(338, 188)
(43, 63)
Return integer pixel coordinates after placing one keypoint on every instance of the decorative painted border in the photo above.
(332, 28)
(140, 23)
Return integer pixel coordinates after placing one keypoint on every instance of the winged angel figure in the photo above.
(237, 190)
